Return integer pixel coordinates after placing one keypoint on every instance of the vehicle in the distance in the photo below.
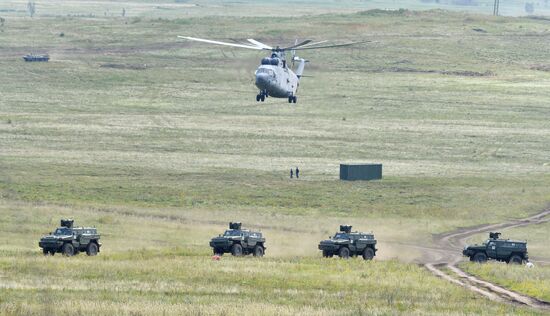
(33, 57)
(510, 251)
(347, 244)
(239, 242)
(70, 240)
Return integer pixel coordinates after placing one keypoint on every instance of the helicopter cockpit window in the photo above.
(266, 71)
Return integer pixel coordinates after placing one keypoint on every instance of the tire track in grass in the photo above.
(451, 244)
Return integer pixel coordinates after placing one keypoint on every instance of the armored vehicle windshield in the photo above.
(232, 233)
(62, 231)
(341, 236)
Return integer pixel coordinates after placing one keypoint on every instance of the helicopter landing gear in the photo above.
(261, 96)
(292, 99)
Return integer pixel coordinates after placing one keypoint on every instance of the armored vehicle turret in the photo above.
(70, 240)
(510, 251)
(238, 242)
(346, 243)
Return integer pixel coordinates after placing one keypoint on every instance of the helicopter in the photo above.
(274, 77)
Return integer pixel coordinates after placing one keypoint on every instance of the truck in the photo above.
(346, 243)
(69, 240)
(239, 242)
(506, 250)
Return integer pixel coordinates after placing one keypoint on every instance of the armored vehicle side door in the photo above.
(84, 236)
(505, 249)
(76, 239)
(361, 243)
(253, 239)
(353, 241)
(245, 239)
(491, 249)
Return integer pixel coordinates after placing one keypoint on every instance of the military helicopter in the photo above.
(273, 77)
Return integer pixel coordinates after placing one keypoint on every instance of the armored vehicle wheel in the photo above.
(217, 251)
(237, 250)
(515, 259)
(45, 251)
(257, 98)
(368, 253)
(258, 251)
(52, 252)
(327, 254)
(67, 250)
(480, 257)
(91, 250)
(343, 253)
(294, 99)
(262, 98)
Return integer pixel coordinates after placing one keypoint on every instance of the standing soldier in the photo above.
(291, 174)
(297, 173)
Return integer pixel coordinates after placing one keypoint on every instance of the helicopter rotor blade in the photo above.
(296, 45)
(316, 43)
(259, 44)
(222, 43)
(329, 46)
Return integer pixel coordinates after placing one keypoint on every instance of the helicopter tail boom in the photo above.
(301, 66)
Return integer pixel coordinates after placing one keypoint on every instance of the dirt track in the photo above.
(442, 261)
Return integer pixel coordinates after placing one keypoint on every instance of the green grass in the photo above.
(163, 284)
(160, 157)
(533, 282)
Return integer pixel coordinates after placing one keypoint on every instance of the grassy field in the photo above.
(159, 143)
(533, 282)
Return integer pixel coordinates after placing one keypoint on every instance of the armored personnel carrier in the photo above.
(34, 58)
(70, 240)
(510, 251)
(347, 243)
(239, 242)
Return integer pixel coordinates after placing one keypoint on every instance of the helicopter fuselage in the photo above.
(277, 81)
(273, 77)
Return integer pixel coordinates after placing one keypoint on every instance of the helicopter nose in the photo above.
(262, 80)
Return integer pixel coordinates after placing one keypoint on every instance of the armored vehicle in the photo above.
(239, 242)
(32, 57)
(347, 243)
(510, 251)
(70, 240)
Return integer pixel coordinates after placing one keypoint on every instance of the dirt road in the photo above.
(442, 261)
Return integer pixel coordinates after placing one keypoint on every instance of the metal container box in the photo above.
(360, 172)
